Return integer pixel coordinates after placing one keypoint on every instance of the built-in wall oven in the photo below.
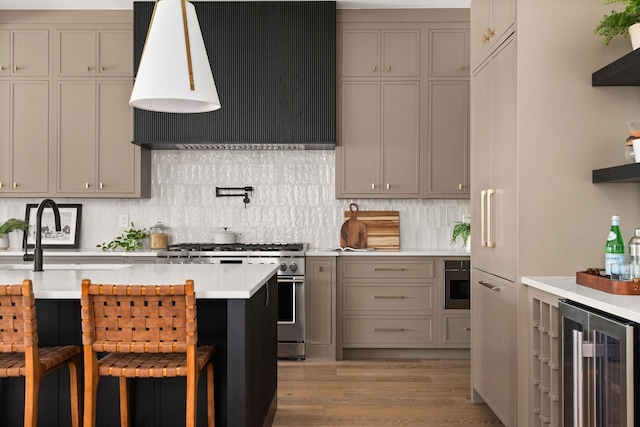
(599, 358)
(291, 271)
(457, 284)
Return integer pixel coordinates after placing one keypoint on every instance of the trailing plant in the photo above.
(130, 240)
(617, 23)
(462, 229)
(12, 225)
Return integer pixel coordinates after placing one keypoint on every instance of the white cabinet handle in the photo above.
(483, 238)
(490, 243)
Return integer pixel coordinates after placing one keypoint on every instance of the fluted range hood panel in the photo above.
(274, 67)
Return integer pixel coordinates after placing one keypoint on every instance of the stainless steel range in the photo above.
(290, 258)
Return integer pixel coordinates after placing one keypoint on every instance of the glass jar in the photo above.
(158, 236)
(629, 154)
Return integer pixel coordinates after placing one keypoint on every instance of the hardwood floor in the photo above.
(378, 393)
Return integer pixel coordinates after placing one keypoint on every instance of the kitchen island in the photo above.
(237, 312)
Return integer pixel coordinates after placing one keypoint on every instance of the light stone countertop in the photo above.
(459, 252)
(625, 306)
(227, 281)
(13, 252)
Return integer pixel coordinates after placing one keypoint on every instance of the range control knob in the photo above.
(293, 266)
(283, 266)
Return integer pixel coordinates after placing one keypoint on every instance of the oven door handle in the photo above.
(294, 280)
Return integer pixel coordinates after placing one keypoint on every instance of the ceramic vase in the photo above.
(634, 35)
(4, 241)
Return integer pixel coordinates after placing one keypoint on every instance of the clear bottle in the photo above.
(614, 249)
(634, 247)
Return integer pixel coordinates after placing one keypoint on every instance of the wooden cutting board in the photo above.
(353, 233)
(383, 228)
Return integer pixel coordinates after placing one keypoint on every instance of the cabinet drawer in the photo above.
(384, 297)
(405, 331)
(388, 269)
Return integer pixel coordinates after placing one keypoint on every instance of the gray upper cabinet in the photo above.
(24, 52)
(90, 52)
(492, 21)
(403, 109)
(388, 53)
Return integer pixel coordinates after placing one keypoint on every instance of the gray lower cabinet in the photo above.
(387, 303)
(494, 356)
(320, 300)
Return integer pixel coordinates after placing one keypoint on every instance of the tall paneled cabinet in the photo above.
(65, 82)
(538, 129)
(402, 104)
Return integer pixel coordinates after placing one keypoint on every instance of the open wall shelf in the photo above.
(623, 173)
(622, 72)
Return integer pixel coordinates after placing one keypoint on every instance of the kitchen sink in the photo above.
(53, 266)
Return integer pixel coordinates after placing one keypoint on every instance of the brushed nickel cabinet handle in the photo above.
(388, 296)
(489, 285)
(388, 329)
(387, 269)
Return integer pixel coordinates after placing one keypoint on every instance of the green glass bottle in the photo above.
(614, 250)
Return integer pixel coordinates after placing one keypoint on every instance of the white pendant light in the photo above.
(174, 75)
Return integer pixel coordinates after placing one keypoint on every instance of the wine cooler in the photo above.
(599, 354)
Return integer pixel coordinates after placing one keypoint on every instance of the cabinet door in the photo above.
(480, 28)
(5, 136)
(320, 301)
(503, 162)
(494, 337)
(5, 55)
(360, 53)
(481, 163)
(401, 138)
(401, 53)
(449, 53)
(456, 330)
(494, 158)
(77, 52)
(115, 49)
(116, 157)
(502, 18)
(76, 136)
(30, 52)
(31, 127)
(448, 156)
(360, 139)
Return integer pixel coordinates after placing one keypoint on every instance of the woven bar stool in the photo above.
(146, 332)
(21, 357)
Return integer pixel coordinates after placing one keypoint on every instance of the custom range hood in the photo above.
(275, 70)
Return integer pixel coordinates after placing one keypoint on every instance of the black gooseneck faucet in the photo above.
(37, 250)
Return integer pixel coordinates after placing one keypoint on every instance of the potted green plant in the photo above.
(462, 229)
(621, 23)
(10, 225)
(129, 240)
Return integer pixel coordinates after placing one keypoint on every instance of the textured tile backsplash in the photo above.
(293, 201)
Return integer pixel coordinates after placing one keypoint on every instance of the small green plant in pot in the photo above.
(617, 23)
(463, 230)
(129, 240)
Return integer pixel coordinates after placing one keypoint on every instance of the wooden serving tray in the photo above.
(603, 284)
